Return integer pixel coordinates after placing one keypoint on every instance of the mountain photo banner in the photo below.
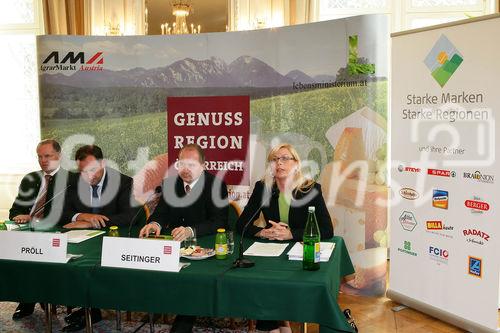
(321, 87)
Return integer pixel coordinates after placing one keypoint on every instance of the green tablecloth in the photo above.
(275, 288)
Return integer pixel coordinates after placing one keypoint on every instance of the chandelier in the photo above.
(181, 10)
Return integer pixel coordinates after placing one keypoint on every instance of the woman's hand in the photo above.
(278, 231)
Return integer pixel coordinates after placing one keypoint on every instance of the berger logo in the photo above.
(443, 60)
(408, 221)
(440, 199)
(438, 228)
(441, 173)
(477, 175)
(408, 193)
(438, 254)
(476, 205)
(407, 249)
(476, 236)
(475, 267)
(402, 168)
(57, 61)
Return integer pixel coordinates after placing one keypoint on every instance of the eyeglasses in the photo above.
(283, 159)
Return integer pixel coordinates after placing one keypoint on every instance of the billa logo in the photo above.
(477, 175)
(407, 249)
(402, 168)
(434, 225)
(476, 236)
(441, 173)
(408, 221)
(56, 61)
(408, 193)
(439, 228)
(440, 199)
(477, 206)
(475, 267)
(443, 60)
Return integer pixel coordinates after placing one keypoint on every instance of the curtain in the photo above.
(64, 17)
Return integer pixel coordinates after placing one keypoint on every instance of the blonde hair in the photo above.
(300, 183)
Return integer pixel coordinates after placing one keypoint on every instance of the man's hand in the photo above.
(96, 220)
(21, 219)
(149, 229)
(78, 225)
(181, 233)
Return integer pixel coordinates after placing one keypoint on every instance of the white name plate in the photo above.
(33, 246)
(148, 254)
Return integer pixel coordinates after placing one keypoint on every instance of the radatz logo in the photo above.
(57, 61)
(438, 254)
(476, 236)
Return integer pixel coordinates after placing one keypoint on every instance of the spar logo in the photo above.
(440, 199)
(477, 205)
(402, 168)
(439, 228)
(443, 60)
(438, 254)
(441, 173)
(58, 61)
(476, 236)
(476, 267)
(408, 193)
(408, 221)
(478, 176)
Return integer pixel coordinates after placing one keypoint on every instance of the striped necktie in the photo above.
(39, 210)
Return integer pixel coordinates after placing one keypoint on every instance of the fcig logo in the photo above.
(438, 254)
(475, 267)
(443, 60)
(68, 61)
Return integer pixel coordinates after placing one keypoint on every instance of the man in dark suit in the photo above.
(193, 203)
(101, 196)
(40, 199)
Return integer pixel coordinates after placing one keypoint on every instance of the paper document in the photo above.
(266, 249)
(78, 236)
(297, 251)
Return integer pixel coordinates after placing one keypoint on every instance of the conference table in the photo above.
(274, 289)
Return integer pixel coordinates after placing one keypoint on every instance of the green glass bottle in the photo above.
(2, 225)
(310, 259)
(113, 231)
(221, 244)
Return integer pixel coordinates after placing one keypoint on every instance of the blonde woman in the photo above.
(283, 196)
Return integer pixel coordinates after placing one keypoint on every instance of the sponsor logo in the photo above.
(438, 254)
(441, 173)
(408, 221)
(439, 228)
(476, 205)
(476, 267)
(402, 168)
(440, 199)
(443, 60)
(409, 193)
(407, 249)
(73, 61)
(56, 242)
(475, 236)
(167, 250)
(477, 175)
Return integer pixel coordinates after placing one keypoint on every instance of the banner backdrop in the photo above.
(321, 87)
(444, 238)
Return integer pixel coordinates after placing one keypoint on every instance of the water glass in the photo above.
(190, 241)
(230, 241)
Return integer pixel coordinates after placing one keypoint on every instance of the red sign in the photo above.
(167, 249)
(479, 205)
(437, 172)
(56, 242)
(220, 125)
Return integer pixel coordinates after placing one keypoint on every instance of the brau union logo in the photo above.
(57, 61)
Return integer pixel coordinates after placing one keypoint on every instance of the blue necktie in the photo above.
(95, 199)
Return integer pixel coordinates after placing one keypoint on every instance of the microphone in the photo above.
(242, 262)
(43, 206)
(157, 190)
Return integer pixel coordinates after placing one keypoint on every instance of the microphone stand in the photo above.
(31, 227)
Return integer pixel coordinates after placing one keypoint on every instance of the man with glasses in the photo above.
(194, 203)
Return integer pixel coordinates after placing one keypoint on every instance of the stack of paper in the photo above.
(78, 236)
(297, 251)
(266, 249)
(11, 225)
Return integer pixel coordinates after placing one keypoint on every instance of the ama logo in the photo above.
(443, 60)
(57, 61)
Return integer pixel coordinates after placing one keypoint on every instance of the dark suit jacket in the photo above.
(28, 191)
(297, 216)
(116, 201)
(199, 210)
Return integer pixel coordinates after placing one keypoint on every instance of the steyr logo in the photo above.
(443, 60)
(57, 61)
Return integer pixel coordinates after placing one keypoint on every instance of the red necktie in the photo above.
(39, 211)
(187, 189)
